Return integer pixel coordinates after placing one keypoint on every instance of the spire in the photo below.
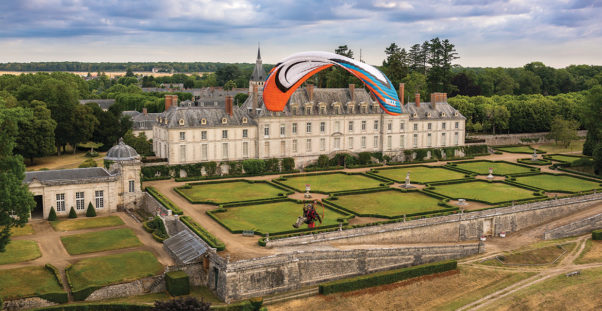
(258, 72)
(258, 52)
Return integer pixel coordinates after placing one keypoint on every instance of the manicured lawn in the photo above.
(499, 168)
(111, 269)
(420, 174)
(494, 192)
(230, 191)
(564, 158)
(86, 223)
(331, 182)
(18, 231)
(576, 145)
(100, 241)
(27, 281)
(550, 182)
(271, 217)
(389, 203)
(20, 250)
(515, 149)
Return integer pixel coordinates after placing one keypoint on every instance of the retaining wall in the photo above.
(452, 228)
(27, 303)
(148, 285)
(514, 139)
(579, 227)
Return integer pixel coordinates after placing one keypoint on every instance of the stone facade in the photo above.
(579, 227)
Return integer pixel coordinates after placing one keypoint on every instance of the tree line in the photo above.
(181, 67)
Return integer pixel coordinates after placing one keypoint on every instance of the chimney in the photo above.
(145, 111)
(255, 91)
(352, 91)
(229, 108)
(433, 99)
(402, 88)
(310, 92)
(168, 102)
(444, 97)
(417, 97)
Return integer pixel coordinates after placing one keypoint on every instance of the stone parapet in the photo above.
(578, 227)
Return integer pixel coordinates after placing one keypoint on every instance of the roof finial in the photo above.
(121, 141)
(258, 51)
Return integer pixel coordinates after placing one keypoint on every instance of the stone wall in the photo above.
(514, 139)
(154, 284)
(152, 206)
(285, 272)
(579, 227)
(451, 228)
(27, 303)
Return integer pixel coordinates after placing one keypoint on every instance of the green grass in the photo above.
(27, 281)
(331, 182)
(420, 174)
(230, 191)
(86, 223)
(515, 149)
(199, 292)
(20, 250)
(499, 168)
(100, 241)
(575, 146)
(105, 270)
(490, 192)
(271, 217)
(564, 158)
(389, 203)
(550, 182)
(19, 231)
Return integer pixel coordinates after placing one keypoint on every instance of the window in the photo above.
(308, 145)
(322, 127)
(457, 125)
(402, 141)
(337, 126)
(443, 125)
(224, 120)
(375, 141)
(376, 124)
(415, 126)
(363, 125)
(245, 120)
(350, 143)
(389, 142)
(428, 126)
(245, 149)
(415, 140)
(204, 135)
(182, 153)
(428, 140)
(322, 144)
(294, 128)
(224, 150)
(402, 126)
(79, 201)
(389, 125)
(203, 121)
(337, 143)
(308, 127)
(294, 146)
(443, 139)
(225, 134)
(204, 152)
(456, 136)
(266, 130)
(181, 122)
(363, 142)
(182, 135)
(99, 198)
(308, 110)
(282, 130)
(245, 133)
(350, 126)
(131, 186)
(266, 148)
(322, 109)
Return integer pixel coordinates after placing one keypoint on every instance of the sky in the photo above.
(486, 33)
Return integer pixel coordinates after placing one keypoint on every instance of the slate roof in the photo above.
(193, 116)
(141, 121)
(121, 152)
(103, 103)
(68, 174)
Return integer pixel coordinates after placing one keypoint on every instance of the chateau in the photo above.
(315, 121)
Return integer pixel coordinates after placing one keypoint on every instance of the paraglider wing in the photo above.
(288, 75)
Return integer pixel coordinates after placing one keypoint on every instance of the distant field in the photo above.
(331, 182)
(494, 192)
(391, 203)
(419, 174)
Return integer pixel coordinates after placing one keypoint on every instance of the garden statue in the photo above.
(490, 176)
(307, 189)
(534, 156)
(407, 180)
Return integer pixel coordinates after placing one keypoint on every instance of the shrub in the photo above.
(157, 228)
(253, 166)
(98, 307)
(386, 277)
(72, 213)
(88, 163)
(272, 165)
(56, 273)
(90, 212)
(52, 214)
(288, 164)
(182, 304)
(323, 161)
(92, 154)
(597, 235)
(58, 297)
(177, 283)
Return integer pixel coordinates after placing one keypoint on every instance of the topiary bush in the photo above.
(177, 283)
(72, 213)
(88, 163)
(52, 214)
(90, 212)
(597, 235)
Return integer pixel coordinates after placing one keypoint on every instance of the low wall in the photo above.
(27, 303)
(514, 139)
(149, 285)
(279, 273)
(452, 228)
(579, 227)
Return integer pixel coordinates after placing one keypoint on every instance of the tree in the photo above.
(182, 304)
(240, 98)
(140, 143)
(591, 116)
(564, 131)
(61, 98)
(323, 160)
(90, 212)
(229, 85)
(597, 155)
(226, 73)
(415, 82)
(496, 116)
(52, 214)
(16, 201)
(84, 123)
(395, 66)
(36, 134)
(72, 213)
(129, 72)
(189, 83)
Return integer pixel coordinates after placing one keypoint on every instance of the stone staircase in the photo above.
(302, 293)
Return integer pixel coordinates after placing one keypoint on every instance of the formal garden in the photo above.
(28, 281)
(499, 167)
(418, 174)
(559, 182)
(484, 191)
(86, 223)
(20, 250)
(329, 182)
(518, 149)
(230, 191)
(99, 241)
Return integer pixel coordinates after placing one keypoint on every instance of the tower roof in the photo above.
(258, 72)
(121, 152)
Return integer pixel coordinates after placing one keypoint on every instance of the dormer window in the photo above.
(165, 120)
(455, 113)
(224, 120)
(245, 120)
(181, 122)
(443, 114)
(307, 110)
(428, 114)
(415, 115)
(203, 121)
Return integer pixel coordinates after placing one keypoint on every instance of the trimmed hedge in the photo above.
(58, 297)
(386, 277)
(90, 212)
(98, 307)
(156, 227)
(287, 191)
(82, 294)
(538, 162)
(253, 304)
(177, 283)
(597, 234)
(164, 201)
(203, 234)
(56, 273)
